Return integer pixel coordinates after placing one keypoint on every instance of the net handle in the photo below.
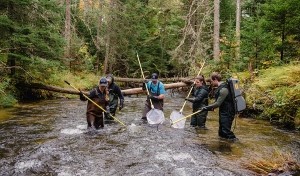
(144, 79)
(178, 120)
(95, 103)
(192, 87)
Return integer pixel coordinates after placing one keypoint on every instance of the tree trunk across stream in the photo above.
(131, 91)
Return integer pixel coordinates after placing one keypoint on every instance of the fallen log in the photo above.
(139, 90)
(164, 80)
(132, 91)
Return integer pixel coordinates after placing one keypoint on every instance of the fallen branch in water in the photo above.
(164, 80)
(132, 91)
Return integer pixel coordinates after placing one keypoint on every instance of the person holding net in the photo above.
(200, 99)
(156, 93)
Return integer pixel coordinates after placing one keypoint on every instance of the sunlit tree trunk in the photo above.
(216, 30)
(108, 39)
(97, 43)
(107, 54)
(238, 29)
(67, 33)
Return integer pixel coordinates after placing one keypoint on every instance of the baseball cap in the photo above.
(103, 82)
(154, 76)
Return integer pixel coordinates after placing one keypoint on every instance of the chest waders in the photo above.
(154, 116)
(113, 100)
(226, 114)
(199, 119)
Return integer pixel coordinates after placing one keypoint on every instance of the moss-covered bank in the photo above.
(274, 94)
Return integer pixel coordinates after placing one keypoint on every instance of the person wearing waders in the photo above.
(94, 115)
(224, 101)
(114, 95)
(156, 93)
(199, 100)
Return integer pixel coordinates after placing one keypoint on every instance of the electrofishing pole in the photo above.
(95, 104)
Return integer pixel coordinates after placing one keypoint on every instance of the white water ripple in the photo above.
(71, 131)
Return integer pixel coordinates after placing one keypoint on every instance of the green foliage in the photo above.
(31, 40)
(227, 15)
(276, 92)
(151, 31)
(282, 19)
(6, 90)
(258, 45)
(269, 34)
(7, 101)
(171, 37)
(34, 28)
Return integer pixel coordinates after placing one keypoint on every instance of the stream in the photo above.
(50, 138)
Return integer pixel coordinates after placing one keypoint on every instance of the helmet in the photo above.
(103, 82)
(154, 76)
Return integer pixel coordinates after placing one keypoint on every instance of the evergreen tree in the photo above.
(30, 38)
(282, 18)
(257, 44)
(30, 29)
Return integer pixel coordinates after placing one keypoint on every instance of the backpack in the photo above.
(238, 100)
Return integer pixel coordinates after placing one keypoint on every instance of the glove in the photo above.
(190, 99)
(82, 98)
(107, 109)
(121, 104)
(108, 112)
(110, 91)
(152, 97)
(144, 84)
(207, 108)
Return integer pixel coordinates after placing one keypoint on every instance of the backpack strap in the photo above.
(158, 90)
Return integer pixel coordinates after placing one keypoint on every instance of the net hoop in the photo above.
(155, 117)
(175, 115)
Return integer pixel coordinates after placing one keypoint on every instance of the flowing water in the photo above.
(50, 138)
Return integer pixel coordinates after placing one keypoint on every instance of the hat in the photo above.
(154, 76)
(103, 82)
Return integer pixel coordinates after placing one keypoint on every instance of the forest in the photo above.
(256, 41)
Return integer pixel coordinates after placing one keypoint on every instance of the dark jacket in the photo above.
(115, 91)
(99, 98)
(94, 114)
(227, 106)
(114, 94)
(200, 97)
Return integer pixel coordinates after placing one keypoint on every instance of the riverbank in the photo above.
(274, 94)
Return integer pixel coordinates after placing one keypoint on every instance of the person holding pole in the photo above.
(99, 95)
(199, 100)
(226, 107)
(156, 93)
